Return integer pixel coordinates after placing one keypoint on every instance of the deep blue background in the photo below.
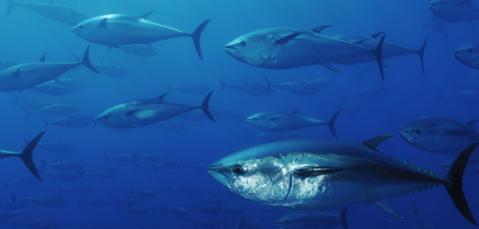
(407, 96)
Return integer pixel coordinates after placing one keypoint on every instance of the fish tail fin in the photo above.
(344, 218)
(420, 52)
(379, 56)
(86, 60)
(205, 107)
(27, 155)
(10, 6)
(196, 36)
(454, 182)
(332, 124)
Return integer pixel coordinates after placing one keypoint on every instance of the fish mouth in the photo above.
(231, 50)
(220, 174)
(405, 136)
(217, 169)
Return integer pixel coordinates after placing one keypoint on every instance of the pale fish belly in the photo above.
(346, 188)
(129, 33)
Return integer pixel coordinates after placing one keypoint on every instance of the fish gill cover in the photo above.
(239, 114)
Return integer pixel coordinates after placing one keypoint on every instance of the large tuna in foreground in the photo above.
(315, 175)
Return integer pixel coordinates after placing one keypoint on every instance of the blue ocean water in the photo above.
(119, 186)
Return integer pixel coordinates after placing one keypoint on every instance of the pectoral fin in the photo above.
(314, 171)
(103, 23)
(132, 112)
(331, 67)
(147, 14)
(387, 208)
(43, 58)
(321, 28)
(17, 73)
(378, 35)
(285, 40)
(375, 142)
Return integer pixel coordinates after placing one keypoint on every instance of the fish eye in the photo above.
(242, 43)
(238, 170)
(417, 131)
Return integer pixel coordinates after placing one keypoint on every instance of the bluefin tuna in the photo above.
(468, 55)
(26, 155)
(454, 11)
(440, 135)
(116, 30)
(60, 13)
(307, 174)
(26, 76)
(144, 112)
(285, 48)
(289, 121)
(51, 88)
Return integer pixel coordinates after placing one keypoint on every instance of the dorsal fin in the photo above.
(132, 112)
(103, 23)
(286, 39)
(17, 73)
(147, 14)
(321, 28)
(387, 208)
(161, 98)
(377, 35)
(373, 143)
(331, 67)
(43, 58)
(359, 41)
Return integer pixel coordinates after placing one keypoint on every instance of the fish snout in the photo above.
(234, 47)
(406, 135)
(230, 49)
(218, 169)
